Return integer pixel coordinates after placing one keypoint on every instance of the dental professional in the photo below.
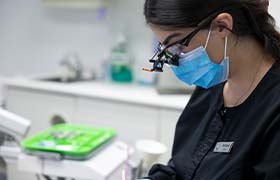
(229, 49)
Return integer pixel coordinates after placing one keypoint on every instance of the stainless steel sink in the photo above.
(60, 80)
(73, 70)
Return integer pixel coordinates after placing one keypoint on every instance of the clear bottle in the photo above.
(120, 62)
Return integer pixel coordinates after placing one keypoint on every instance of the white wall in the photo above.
(33, 38)
(274, 10)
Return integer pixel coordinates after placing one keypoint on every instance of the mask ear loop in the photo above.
(226, 43)
(208, 37)
(226, 58)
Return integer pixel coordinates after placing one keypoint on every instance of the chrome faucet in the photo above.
(74, 66)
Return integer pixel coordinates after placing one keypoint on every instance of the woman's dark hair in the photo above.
(250, 17)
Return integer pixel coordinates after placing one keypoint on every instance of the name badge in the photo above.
(223, 147)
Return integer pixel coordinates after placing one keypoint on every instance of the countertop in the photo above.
(127, 93)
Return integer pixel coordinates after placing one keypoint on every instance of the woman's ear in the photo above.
(224, 23)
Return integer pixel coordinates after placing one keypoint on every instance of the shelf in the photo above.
(76, 4)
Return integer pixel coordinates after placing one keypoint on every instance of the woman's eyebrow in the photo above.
(167, 40)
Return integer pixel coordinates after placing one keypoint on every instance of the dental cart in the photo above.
(74, 152)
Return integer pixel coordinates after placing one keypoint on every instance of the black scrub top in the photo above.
(253, 126)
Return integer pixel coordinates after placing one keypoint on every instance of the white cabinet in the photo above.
(132, 122)
(39, 107)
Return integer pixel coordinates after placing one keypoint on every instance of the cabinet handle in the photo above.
(57, 119)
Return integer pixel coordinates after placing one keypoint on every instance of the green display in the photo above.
(69, 140)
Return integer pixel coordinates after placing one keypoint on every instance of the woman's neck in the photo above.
(248, 65)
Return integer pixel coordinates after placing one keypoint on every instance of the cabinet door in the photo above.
(132, 122)
(39, 107)
(168, 121)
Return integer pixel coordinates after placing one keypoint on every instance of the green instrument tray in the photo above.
(69, 140)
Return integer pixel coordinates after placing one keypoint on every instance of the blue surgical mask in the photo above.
(196, 67)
